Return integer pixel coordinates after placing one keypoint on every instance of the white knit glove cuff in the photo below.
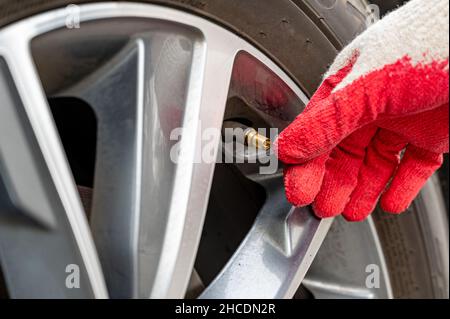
(418, 31)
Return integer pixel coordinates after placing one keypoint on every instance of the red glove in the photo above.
(387, 92)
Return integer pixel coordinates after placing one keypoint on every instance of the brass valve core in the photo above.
(252, 137)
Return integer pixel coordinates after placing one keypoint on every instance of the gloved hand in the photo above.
(378, 125)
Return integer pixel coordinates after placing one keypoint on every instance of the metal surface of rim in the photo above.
(56, 210)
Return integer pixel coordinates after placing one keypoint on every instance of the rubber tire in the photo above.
(387, 6)
(299, 36)
(416, 247)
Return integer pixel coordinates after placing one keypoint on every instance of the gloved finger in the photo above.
(416, 167)
(302, 182)
(288, 142)
(341, 174)
(382, 158)
(315, 132)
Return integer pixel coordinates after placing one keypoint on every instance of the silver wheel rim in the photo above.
(136, 262)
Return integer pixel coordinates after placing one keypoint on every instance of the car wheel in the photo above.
(92, 202)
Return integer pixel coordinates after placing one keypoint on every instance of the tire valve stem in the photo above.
(253, 138)
(250, 136)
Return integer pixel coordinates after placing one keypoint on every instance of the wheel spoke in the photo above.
(45, 245)
(327, 290)
(354, 272)
(273, 259)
